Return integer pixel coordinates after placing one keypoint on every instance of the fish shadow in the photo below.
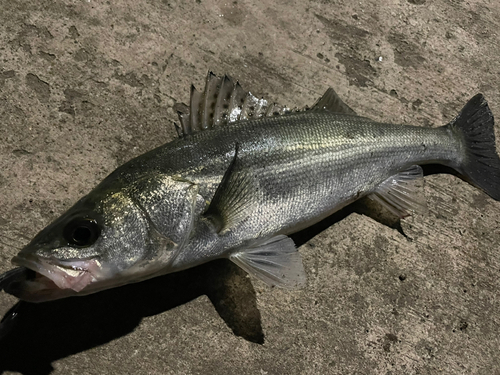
(364, 206)
(35, 335)
(49, 331)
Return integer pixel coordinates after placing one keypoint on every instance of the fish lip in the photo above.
(72, 274)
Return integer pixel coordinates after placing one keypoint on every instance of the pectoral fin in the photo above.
(402, 193)
(235, 197)
(275, 261)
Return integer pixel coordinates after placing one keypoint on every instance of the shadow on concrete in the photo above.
(364, 206)
(35, 335)
(32, 336)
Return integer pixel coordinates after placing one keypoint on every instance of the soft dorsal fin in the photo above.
(330, 101)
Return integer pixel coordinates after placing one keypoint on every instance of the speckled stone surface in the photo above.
(87, 85)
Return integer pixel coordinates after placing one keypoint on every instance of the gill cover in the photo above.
(170, 205)
(111, 238)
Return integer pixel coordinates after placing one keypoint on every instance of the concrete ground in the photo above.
(87, 85)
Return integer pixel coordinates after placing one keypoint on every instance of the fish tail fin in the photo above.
(481, 165)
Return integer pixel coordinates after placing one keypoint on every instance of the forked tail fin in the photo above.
(475, 126)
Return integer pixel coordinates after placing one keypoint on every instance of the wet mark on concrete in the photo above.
(425, 349)
(389, 339)
(234, 15)
(480, 201)
(406, 53)
(320, 56)
(360, 304)
(28, 32)
(416, 104)
(341, 33)
(20, 152)
(381, 242)
(463, 325)
(41, 88)
(359, 71)
(368, 257)
(82, 55)
(6, 75)
(416, 2)
(47, 56)
(32, 30)
(71, 94)
(87, 107)
(68, 106)
(73, 32)
(129, 79)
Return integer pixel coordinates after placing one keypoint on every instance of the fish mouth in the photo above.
(74, 274)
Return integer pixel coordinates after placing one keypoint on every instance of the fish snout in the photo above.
(67, 274)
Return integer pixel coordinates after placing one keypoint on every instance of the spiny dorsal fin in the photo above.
(224, 101)
(330, 101)
(183, 114)
(209, 100)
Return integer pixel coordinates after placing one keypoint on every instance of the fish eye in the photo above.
(81, 232)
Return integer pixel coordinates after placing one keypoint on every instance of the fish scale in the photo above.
(320, 169)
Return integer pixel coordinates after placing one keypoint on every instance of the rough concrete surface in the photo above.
(87, 85)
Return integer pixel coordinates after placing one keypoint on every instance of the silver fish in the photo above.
(242, 176)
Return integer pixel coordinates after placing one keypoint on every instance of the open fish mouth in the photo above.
(75, 274)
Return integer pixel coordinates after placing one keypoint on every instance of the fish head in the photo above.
(103, 241)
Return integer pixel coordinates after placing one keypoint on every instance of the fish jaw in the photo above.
(74, 275)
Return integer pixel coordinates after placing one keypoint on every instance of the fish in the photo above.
(243, 175)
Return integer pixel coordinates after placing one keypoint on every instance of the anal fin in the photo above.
(402, 194)
(276, 262)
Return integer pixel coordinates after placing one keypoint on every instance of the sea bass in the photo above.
(242, 176)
